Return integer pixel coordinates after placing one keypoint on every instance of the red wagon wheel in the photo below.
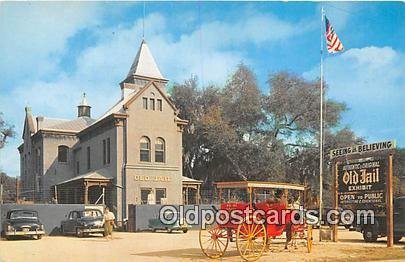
(213, 240)
(251, 240)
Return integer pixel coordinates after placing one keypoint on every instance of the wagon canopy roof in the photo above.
(259, 184)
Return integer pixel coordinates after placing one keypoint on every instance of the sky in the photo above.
(52, 52)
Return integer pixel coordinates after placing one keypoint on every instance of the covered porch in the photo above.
(191, 191)
(90, 188)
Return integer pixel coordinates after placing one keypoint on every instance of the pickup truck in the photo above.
(371, 232)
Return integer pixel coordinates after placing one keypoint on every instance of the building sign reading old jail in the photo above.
(362, 181)
(152, 178)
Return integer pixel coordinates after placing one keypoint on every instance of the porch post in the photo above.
(56, 194)
(198, 195)
(187, 195)
(103, 195)
(86, 193)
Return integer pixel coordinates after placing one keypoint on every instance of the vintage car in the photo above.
(23, 223)
(372, 231)
(83, 222)
(156, 224)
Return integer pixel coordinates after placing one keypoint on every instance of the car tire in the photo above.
(348, 226)
(368, 235)
(79, 233)
(62, 230)
(397, 239)
(38, 237)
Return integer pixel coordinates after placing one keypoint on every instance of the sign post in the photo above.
(335, 200)
(389, 212)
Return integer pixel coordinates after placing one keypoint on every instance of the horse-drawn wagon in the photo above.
(250, 217)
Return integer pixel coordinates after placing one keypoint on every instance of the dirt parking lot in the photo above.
(185, 247)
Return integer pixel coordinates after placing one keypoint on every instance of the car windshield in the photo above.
(91, 213)
(23, 214)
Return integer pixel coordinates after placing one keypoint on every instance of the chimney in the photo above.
(40, 119)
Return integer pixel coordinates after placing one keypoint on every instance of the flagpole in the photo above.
(321, 130)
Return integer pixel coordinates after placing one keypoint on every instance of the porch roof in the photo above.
(96, 175)
(190, 181)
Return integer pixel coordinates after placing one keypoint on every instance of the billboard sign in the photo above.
(359, 149)
(362, 181)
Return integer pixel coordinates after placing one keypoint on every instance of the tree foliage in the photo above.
(9, 188)
(238, 132)
(6, 131)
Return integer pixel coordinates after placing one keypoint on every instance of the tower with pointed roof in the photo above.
(133, 149)
(143, 70)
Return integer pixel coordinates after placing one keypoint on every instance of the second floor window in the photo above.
(63, 154)
(152, 104)
(106, 151)
(160, 150)
(88, 158)
(145, 103)
(159, 105)
(144, 149)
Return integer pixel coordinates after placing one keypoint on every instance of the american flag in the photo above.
(332, 40)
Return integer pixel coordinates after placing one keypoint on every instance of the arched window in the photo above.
(160, 150)
(144, 149)
(63, 154)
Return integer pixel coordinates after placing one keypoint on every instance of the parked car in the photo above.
(371, 232)
(156, 224)
(21, 222)
(325, 222)
(83, 222)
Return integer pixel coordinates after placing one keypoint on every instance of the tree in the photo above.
(399, 171)
(9, 188)
(304, 163)
(293, 108)
(6, 131)
(242, 101)
(239, 133)
(224, 140)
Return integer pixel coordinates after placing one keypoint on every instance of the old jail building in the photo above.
(132, 153)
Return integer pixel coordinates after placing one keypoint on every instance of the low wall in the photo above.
(139, 215)
(50, 215)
